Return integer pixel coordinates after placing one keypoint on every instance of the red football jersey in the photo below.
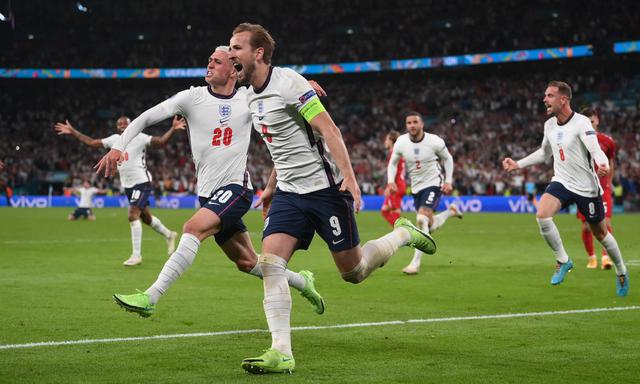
(608, 146)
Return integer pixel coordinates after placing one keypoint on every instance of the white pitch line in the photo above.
(318, 327)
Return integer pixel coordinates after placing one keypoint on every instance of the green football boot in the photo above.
(271, 361)
(309, 292)
(137, 302)
(419, 240)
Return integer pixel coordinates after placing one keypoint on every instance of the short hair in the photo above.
(260, 38)
(393, 136)
(563, 88)
(124, 117)
(414, 113)
(223, 48)
(589, 112)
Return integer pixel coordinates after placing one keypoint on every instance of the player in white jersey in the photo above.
(316, 188)
(572, 141)
(422, 153)
(219, 128)
(86, 192)
(135, 179)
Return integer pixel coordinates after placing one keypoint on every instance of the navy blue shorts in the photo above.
(591, 207)
(139, 194)
(230, 203)
(84, 212)
(428, 198)
(328, 212)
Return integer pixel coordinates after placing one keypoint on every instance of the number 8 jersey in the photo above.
(219, 134)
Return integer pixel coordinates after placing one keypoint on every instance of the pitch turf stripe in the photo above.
(320, 327)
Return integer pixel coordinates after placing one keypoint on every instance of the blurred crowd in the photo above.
(182, 33)
(483, 115)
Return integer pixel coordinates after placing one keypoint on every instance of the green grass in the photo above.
(57, 278)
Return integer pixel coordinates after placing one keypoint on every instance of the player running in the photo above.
(392, 204)
(316, 188)
(219, 128)
(422, 153)
(135, 179)
(608, 146)
(572, 141)
(86, 192)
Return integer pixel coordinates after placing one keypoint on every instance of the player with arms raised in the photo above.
(422, 153)
(219, 132)
(608, 146)
(571, 140)
(316, 188)
(86, 192)
(392, 204)
(135, 179)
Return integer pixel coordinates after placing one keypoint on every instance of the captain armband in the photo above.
(312, 109)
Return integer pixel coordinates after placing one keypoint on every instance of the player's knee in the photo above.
(245, 265)
(357, 274)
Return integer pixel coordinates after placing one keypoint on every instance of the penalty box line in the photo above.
(318, 327)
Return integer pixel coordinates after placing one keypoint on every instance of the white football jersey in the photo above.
(133, 169)
(422, 160)
(572, 162)
(86, 196)
(302, 160)
(219, 133)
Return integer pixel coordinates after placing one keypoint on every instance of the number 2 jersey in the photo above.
(280, 111)
(422, 161)
(219, 133)
(133, 170)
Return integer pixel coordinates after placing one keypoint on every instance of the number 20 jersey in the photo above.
(219, 134)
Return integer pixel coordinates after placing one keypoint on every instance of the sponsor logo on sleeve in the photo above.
(304, 98)
(590, 133)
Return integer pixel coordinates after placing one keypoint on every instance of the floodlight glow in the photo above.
(2, 18)
(81, 7)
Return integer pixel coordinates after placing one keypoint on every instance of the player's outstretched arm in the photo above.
(392, 169)
(508, 164)
(446, 157)
(323, 123)
(178, 124)
(67, 129)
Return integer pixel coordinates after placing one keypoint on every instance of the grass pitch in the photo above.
(57, 278)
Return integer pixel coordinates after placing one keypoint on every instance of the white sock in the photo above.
(611, 245)
(178, 262)
(157, 225)
(550, 233)
(375, 253)
(136, 238)
(294, 279)
(277, 301)
(422, 222)
(440, 218)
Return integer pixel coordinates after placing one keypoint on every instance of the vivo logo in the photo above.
(29, 202)
(521, 205)
(470, 205)
(168, 203)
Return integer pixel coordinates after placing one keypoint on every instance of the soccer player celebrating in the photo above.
(219, 133)
(86, 192)
(608, 146)
(316, 188)
(571, 140)
(392, 205)
(422, 153)
(135, 179)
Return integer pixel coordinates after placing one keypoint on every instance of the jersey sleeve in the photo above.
(172, 106)
(444, 155)
(109, 142)
(396, 156)
(300, 95)
(146, 138)
(589, 138)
